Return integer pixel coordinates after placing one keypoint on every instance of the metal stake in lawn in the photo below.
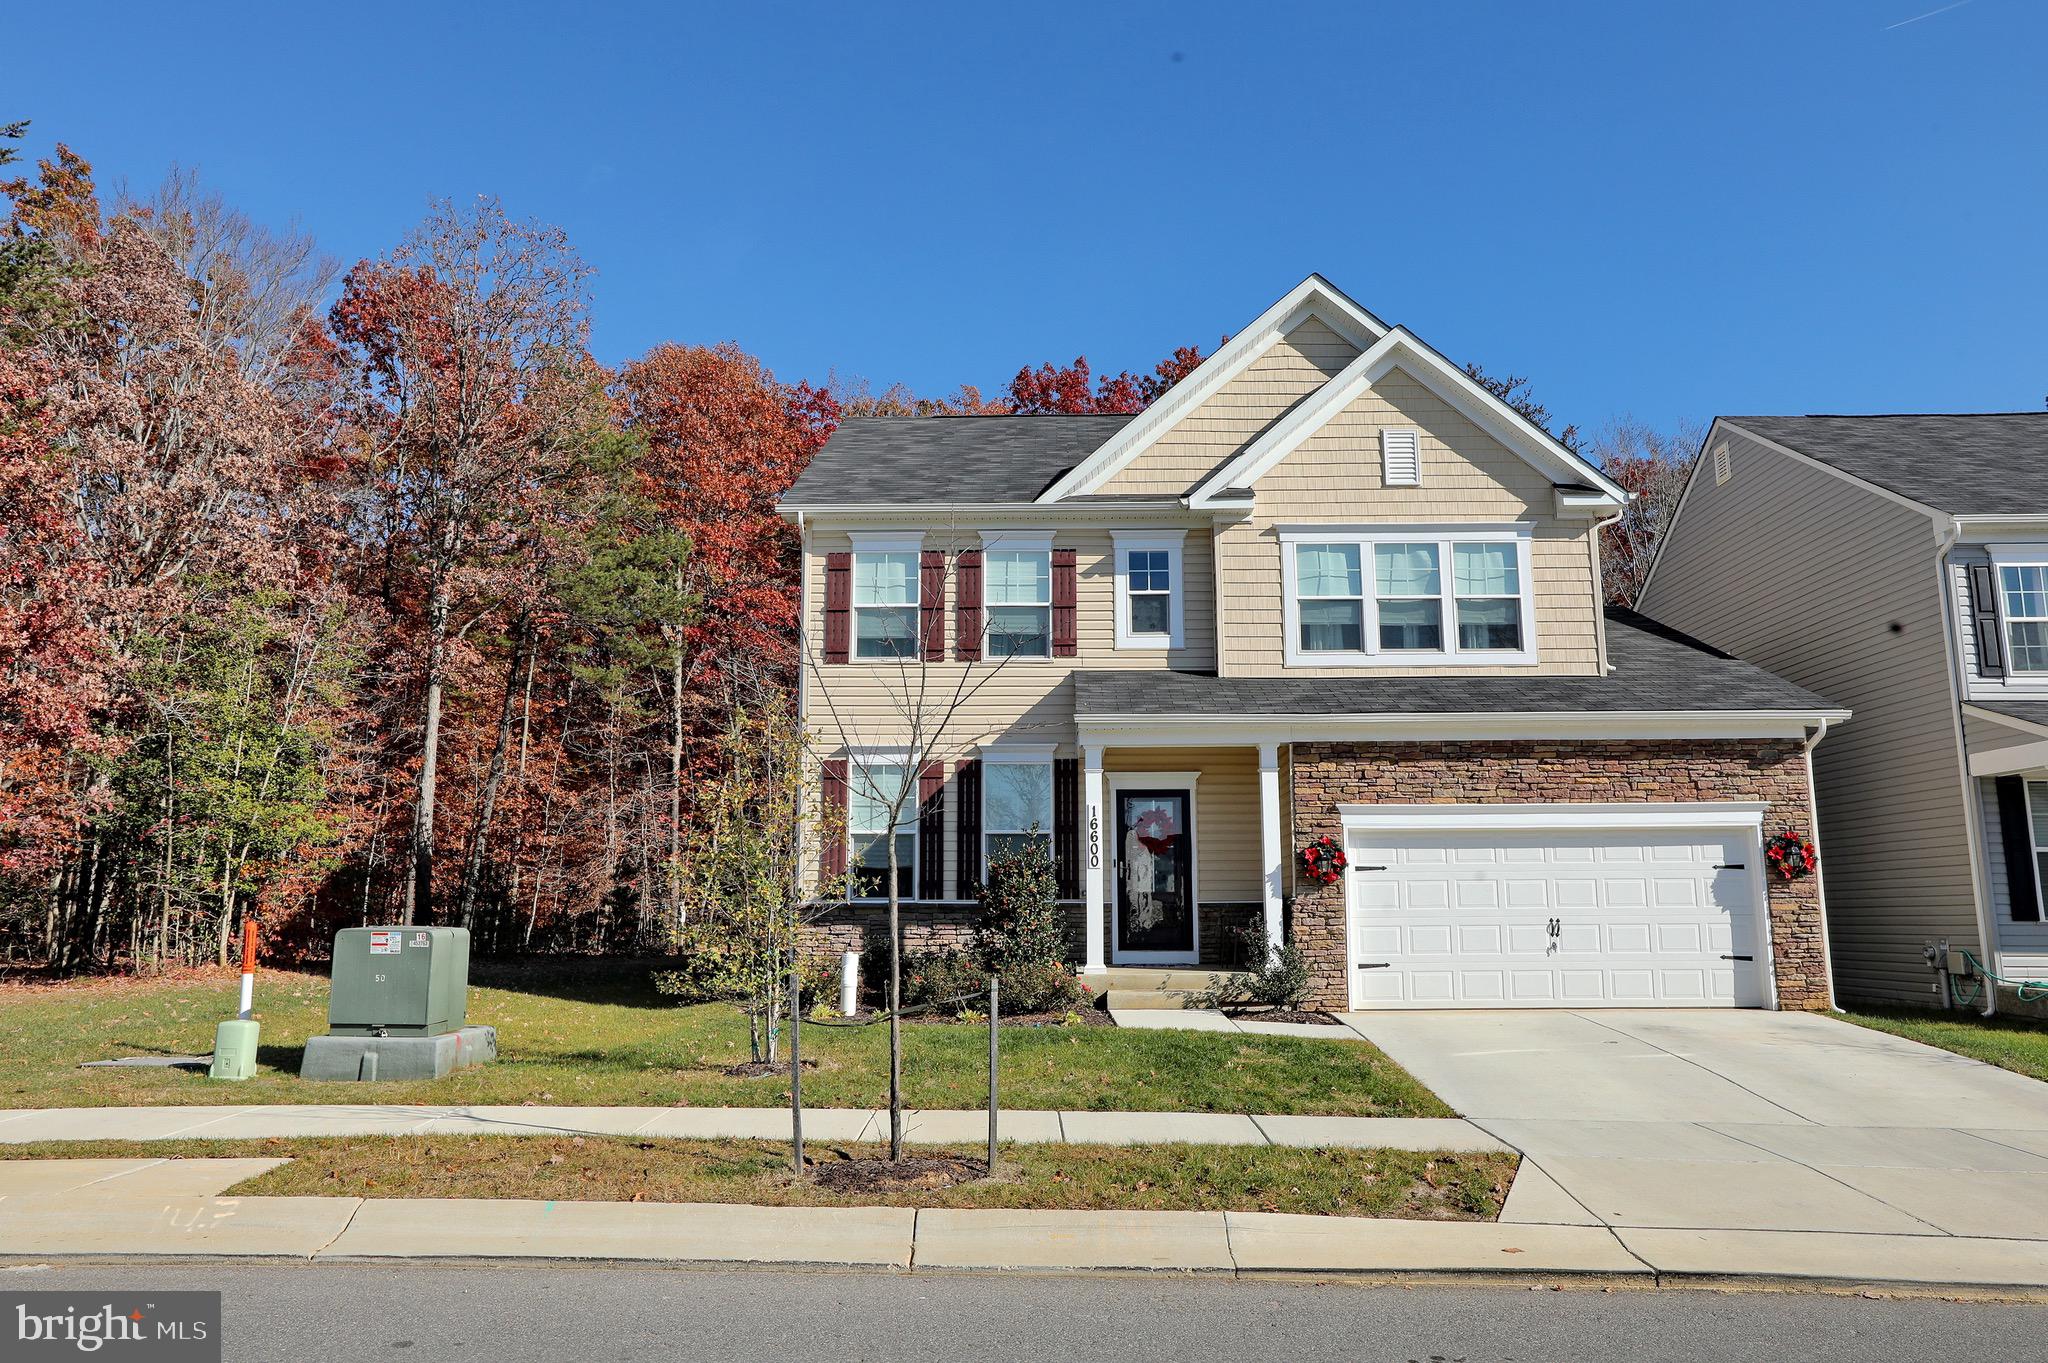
(994, 1008)
(796, 1072)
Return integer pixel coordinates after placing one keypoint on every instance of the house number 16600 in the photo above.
(1094, 837)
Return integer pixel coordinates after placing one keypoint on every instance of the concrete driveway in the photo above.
(1737, 1120)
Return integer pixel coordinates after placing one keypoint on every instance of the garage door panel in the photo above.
(1566, 918)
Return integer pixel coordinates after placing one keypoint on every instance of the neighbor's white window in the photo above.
(885, 583)
(1452, 595)
(874, 786)
(2024, 589)
(1149, 590)
(2037, 820)
(1016, 804)
(1019, 596)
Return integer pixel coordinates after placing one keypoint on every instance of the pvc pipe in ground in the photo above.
(248, 1008)
(849, 983)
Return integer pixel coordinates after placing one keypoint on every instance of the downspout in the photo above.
(1820, 883)
(1600, 593)
(1946, 535)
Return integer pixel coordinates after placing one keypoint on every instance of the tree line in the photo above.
(370, 595)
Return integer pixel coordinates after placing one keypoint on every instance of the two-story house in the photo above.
(1900, 565)
(1326, 587)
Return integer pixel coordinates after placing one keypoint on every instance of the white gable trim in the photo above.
(1314, 297)
(1400, 348)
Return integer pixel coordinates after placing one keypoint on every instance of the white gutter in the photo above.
(1820, 870)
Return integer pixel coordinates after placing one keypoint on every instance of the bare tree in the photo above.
(1651, 465)
(922, 715)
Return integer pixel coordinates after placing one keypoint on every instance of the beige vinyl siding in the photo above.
(1018, 700)
(1226, 813)
(1467, 476)
(1836, 588)
(1297, 365)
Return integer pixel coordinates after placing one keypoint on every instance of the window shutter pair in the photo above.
(1984, 619)
(2021, 881)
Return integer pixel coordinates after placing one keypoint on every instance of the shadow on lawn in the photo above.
(621, 981)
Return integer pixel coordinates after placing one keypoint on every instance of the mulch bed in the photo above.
(890, 1176)
(761, 1069)
(1085, 1016)
(1307, 1015)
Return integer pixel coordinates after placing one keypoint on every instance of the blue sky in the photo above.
(1670, 210)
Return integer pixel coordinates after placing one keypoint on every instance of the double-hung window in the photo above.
(1148, 589)
(1364, 596)
(875, 786)
(1018, 578)
(2023, 588)
(885, 604)
(1016, 803)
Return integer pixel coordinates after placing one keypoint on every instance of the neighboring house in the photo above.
(1900, 565)
(1326, 586)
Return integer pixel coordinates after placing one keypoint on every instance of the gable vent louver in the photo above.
(1401, 456)
(1721, 469)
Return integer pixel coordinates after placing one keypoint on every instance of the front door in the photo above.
(1155, 875)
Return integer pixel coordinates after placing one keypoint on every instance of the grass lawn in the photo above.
(594, 1033)
(1400, 1183)
(2013, 1043)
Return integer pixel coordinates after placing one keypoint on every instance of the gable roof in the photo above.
(1656, 670)
(1961, 463)
(1314, 297)
(936, 460)
(1402, 348)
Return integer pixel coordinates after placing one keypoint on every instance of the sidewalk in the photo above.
(145, 1209)
(21, 1126)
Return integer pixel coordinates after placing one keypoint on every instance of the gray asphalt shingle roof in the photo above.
(1656, 669)
(940, 460)
(2029, 711)
(1966, 464)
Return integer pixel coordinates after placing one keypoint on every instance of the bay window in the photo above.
(1435, 595)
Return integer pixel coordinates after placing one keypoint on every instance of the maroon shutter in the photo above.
(931, 595)
(967, 610)
(967, 824)
(1066, 826)
(1064, 643)
(835, 821)
(838, 614)
(931, 831)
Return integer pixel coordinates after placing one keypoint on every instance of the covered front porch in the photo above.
(1183, 853)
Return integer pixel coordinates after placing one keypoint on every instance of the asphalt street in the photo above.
(555, 1313)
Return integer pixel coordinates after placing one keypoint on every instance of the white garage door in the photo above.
(1547, 918)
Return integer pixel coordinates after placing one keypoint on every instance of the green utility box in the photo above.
(398, 981)
(234, 1050)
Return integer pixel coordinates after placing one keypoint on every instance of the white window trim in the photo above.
(1173, 545)
(2005, 556)
(1016, 755)
(1520, 534)
(2027, 784)
(886, 542)
(1015, 542)
(857, 759)
(1117, 782)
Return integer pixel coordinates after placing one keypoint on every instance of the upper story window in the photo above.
(2023, 589)
(1149, 590)
(1017, 572)
(1407, 596)
(885, 600)
(874, 786)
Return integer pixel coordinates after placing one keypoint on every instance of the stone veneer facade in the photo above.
(1326, 775)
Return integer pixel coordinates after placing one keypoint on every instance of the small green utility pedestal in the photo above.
(234, 1050)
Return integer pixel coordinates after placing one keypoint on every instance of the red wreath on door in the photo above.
(1156, 829)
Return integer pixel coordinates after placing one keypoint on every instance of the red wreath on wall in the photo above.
(1791, 856)
(1323, 860)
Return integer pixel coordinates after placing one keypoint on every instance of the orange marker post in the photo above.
(248, 969)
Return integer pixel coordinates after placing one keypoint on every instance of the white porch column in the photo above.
(1271, 856)
(1094, 860)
